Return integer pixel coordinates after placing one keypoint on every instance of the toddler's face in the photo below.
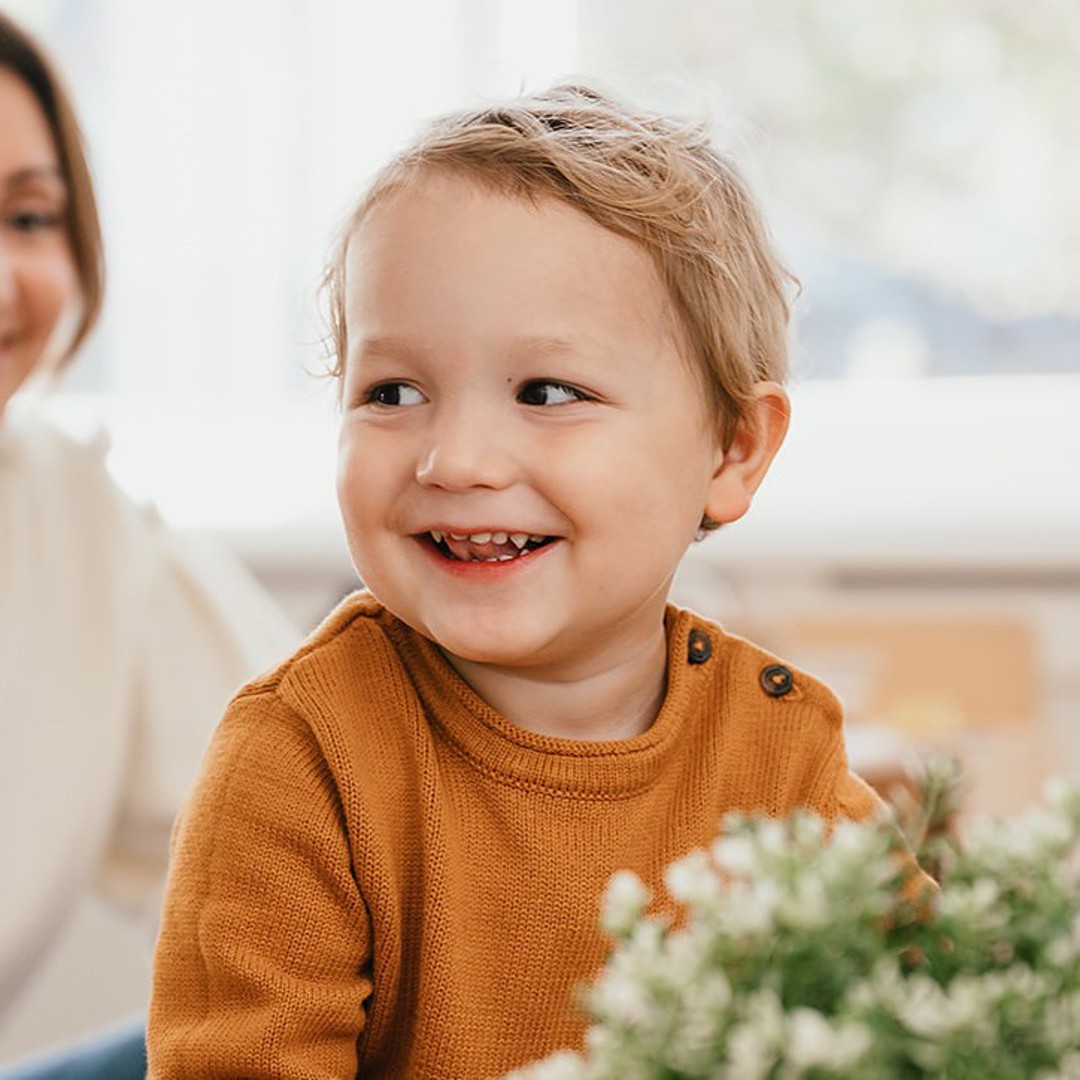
(525, 456)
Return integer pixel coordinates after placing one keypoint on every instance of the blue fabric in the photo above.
(118, 1054)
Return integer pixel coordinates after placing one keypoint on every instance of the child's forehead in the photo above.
(418, 190)
(458, 227)
(431, 208)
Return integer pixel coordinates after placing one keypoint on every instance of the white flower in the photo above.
(624, 902)
(712, 995)
(974, 903)
(748, 1057)
(561, 1066)
(1070, 1067)
(1016, 844)
(747, 910)
(772, 835)
(934, 1013)
(1061, 951)
(1046, 830)
(703, 1016)
(1063, 1021)
(921, 1010)
(808, 830)
(620, 997)
(815, 1043)
(765, 897)
(736, 854)
(753, 1046)
(851, 838)
(685, 956)
(855, 844)
(807, 907)
(692, 880)
(1063, 796)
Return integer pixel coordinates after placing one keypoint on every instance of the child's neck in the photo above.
(619, 700)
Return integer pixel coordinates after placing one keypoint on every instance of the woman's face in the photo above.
(38, 279)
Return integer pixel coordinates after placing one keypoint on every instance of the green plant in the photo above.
(797, 955)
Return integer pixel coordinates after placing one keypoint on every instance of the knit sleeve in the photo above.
(856, 800)
(837, 792)
(261, 966)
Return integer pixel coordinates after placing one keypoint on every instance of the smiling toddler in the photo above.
(560, 333)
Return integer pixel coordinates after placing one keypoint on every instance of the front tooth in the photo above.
(459, 536)
(480, 538)
(519, 540)
(498, 538)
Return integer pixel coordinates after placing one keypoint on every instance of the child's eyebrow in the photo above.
(529, 347)
(579, 352)
(543, 345)
(388, 347)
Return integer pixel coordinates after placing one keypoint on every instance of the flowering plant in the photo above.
(798, 956)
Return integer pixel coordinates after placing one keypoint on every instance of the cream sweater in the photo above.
(119, 645)
(380, 876)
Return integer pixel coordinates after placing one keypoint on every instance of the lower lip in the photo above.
(484, 571)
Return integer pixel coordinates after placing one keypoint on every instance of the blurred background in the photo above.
(918, 542)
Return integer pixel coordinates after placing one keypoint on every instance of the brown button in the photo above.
(777, 680)
(699, 647)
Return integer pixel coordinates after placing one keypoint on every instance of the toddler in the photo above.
(560, 335)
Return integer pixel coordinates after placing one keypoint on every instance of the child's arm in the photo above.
(265, 940)
(856, 800)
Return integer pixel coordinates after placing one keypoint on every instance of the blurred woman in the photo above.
(119, 643)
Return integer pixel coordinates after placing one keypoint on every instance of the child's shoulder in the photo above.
(782, 729)
(357, 625)
(339, 699)
(749, 675)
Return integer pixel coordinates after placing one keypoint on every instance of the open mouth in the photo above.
(488, 547)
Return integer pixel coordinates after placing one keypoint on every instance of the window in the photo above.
(918, 161)
(913, 157)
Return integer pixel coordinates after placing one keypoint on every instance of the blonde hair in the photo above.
(643, 176)
(24, 58)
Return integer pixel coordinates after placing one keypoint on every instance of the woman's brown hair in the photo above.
(20, 55)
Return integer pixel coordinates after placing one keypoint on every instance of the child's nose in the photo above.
(466, 451)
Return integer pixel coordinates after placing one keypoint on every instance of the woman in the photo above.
(119, 645)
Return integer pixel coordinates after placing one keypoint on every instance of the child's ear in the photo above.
(743, 466)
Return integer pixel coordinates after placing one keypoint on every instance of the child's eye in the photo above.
(545, 392)
(394, 394)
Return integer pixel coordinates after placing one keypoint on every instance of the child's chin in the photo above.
(506, 647)
(495, 654)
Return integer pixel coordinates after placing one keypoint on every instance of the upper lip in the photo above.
(481, 530)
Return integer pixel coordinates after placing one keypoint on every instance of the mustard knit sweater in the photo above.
(377, 875)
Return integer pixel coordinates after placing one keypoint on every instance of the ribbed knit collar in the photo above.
(561, 767)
